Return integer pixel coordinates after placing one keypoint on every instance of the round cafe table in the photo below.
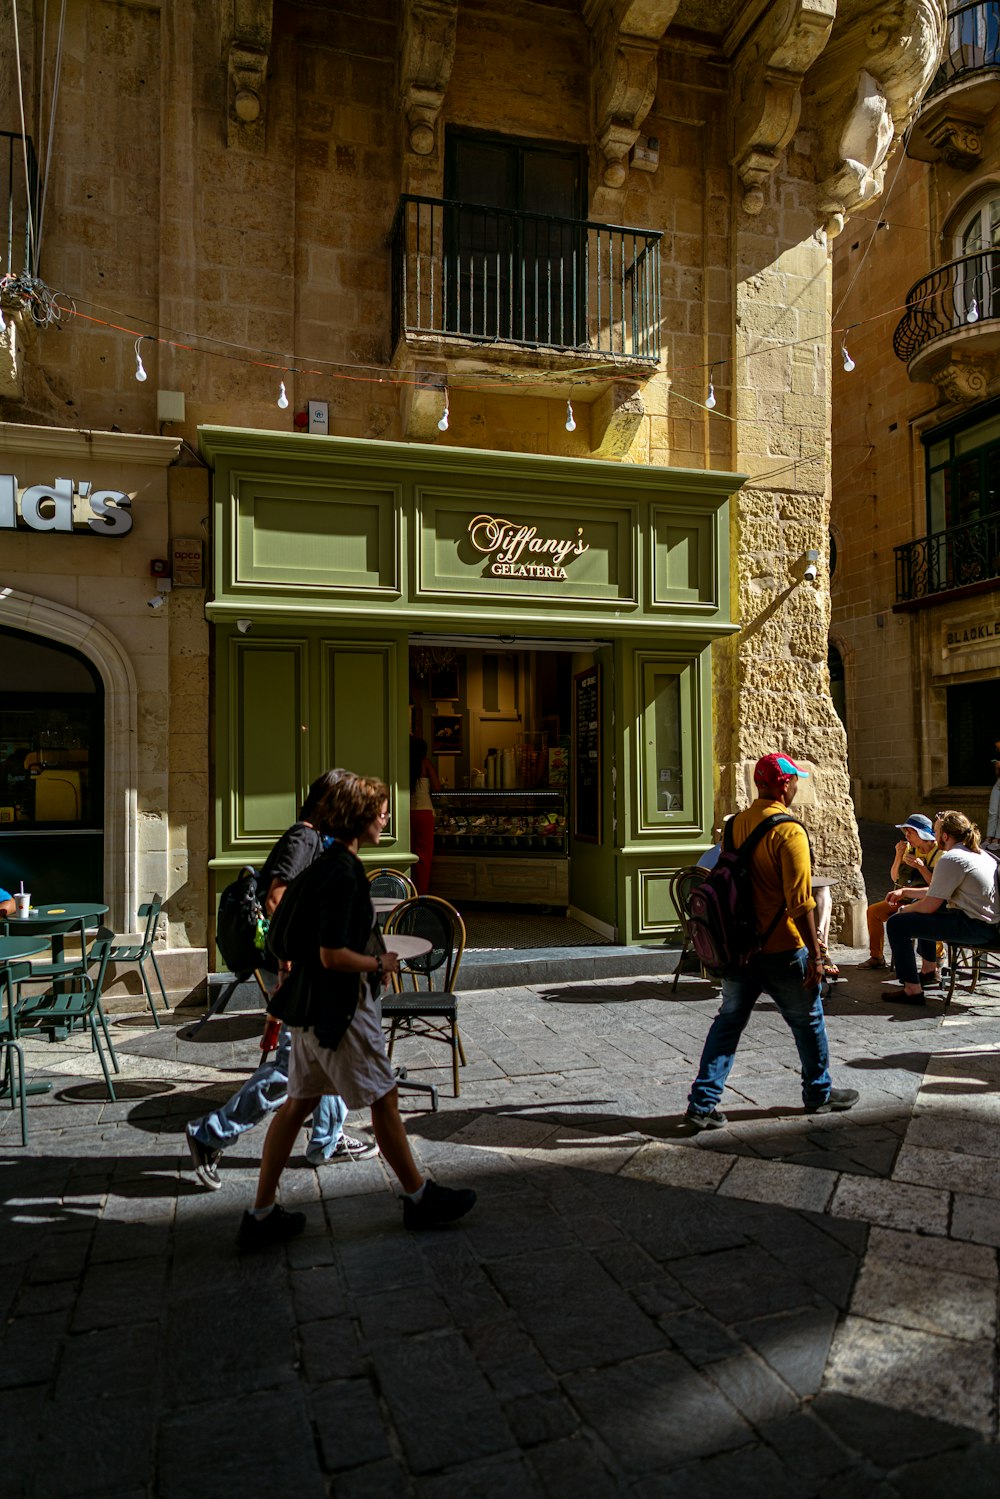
(71, 916)
(406, 947)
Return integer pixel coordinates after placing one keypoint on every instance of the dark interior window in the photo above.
(973, 727)
(515, 242)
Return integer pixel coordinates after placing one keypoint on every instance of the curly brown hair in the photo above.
(958, 826)
(351, 804)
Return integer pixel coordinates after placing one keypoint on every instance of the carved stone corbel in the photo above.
(864, 91)
(249, 52)
(624, 51)
(959, 142)
(426, 54)
(770, 65)
(963, 379)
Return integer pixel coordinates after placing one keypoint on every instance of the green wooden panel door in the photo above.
(359, 711)
(269, 775)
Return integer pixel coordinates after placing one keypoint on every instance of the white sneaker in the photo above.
(347, 1148)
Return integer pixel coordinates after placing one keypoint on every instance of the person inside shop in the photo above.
(423, 780)
(341, 1049)
(962, 905)
(912, 867)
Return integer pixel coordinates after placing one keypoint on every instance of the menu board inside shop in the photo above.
(587, 755)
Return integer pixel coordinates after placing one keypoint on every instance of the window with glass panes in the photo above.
(963, 473)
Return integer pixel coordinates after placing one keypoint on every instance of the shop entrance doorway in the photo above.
(516, 733)
(51, 770)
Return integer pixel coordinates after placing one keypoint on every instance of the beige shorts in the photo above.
(359, 1069)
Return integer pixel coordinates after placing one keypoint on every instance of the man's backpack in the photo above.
(241, 926)
(721, 921)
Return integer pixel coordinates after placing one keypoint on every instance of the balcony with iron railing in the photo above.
(962, 557)
(965, 89)
(952, 311)
(466, 277)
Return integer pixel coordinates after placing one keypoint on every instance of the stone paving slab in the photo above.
(798, 1305)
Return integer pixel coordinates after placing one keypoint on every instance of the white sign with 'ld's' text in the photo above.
(64, 506)
(515, 548)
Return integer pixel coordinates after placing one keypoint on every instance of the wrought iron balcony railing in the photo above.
(973, 43)
(500, 277)
(21, 194)
(950, 559)
(954, 296)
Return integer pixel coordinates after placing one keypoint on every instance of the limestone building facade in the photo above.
(916, 499)
(594, 232)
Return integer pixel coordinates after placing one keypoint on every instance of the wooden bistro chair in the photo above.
(391, 884)
(142, 952)
(425, 1004)
(680, 883)
(74, 997)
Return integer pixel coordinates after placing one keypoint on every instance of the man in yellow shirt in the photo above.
(789, 962)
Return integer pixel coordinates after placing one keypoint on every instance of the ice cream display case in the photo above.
(501, 846)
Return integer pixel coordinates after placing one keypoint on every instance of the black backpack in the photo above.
(241, 926)
(721, 921)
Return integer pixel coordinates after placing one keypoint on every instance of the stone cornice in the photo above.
(82, 444)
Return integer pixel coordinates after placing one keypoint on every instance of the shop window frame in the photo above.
(650, 819)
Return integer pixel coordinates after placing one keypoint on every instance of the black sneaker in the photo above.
(277, 1227)
(839, 1100)
(347, 1148)
(437, 1206)
(713, 1119)
(206, 1163)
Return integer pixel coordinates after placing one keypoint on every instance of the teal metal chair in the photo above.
(10, 973)
(71, 998)
(139, 952)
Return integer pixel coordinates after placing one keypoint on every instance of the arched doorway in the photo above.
(52, 756)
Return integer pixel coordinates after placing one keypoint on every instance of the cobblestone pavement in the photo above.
(798, 1306)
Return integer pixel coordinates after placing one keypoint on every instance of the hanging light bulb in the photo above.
(282, 397)
(443, 423)
(140, 373)
(570, 423)
(710, 400)
(972, 316)
(848, 361)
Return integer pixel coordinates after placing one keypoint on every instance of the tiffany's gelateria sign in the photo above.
(68, 505)
(518, 551)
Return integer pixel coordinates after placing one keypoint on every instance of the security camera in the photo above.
(156, 602)
(244, 626)
(811, 572)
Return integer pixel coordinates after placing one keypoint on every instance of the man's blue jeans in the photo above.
(259, 1096)
(779, 974)
(945, 925)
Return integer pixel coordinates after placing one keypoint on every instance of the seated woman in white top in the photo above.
(962, 905)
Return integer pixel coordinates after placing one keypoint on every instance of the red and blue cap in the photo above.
(775, 771)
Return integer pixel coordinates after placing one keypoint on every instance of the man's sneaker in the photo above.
(275, 1228)
(713, 1119)
(839, 1100)
(206, 1163)
(347, 1148)
(437, 1206)
(897, 995)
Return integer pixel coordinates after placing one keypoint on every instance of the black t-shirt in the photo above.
(293, 852)
(344, 918)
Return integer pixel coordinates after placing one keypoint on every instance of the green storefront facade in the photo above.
(332, 554)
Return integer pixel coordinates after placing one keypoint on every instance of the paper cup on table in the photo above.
(22, 904)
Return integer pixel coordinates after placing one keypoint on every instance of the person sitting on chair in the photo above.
(7, 907)
(962, 905)
(916, 855)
